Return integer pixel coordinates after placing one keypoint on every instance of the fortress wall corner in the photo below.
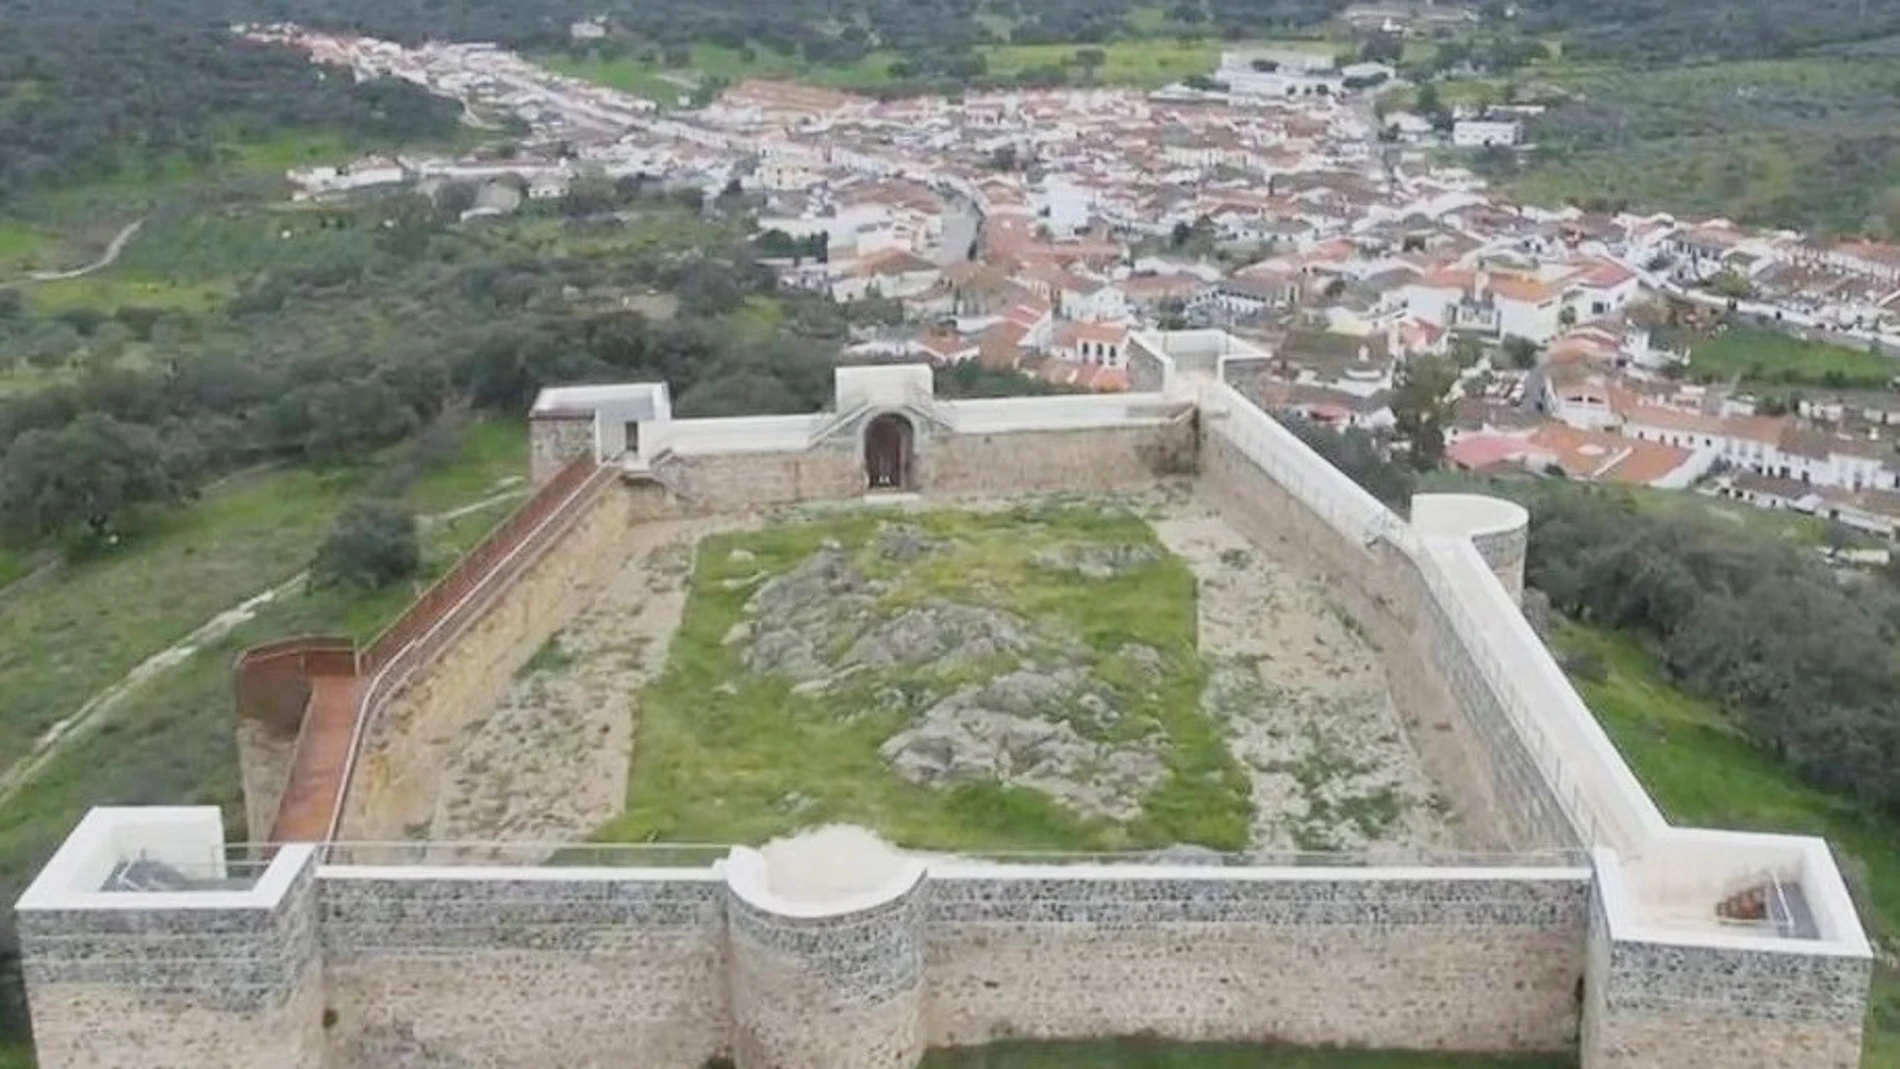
(396, 782)
(1383, 958)
(164, 980)
(526, 967)
(1659, 1005)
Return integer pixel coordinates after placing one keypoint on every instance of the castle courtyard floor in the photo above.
(1063, 674)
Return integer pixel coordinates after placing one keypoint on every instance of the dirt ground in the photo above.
(549, 764)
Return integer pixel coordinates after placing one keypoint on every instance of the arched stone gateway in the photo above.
(888, 452)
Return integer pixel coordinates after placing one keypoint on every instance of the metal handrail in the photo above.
(395, 671)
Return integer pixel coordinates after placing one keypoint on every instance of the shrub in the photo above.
(372, 545)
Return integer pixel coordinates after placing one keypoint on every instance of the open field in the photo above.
(807, 648)
(1143, 64)
(170, 741)
(1154, 1054)
(1702, 772)
(1773, 358)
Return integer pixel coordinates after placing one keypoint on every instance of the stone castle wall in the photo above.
(397, 779)
(860, 972)
(550, 969)
(554, 442)
(1491, 962)
(1655, 1005)
(1468, 744)
(208, 988)
(666, 969)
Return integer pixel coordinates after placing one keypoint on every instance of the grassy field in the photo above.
(1702, 772)
(1771, 357)
(721, 749)
(21, 247)
(1145, 64)
(170, 741)
(1141, 64)
(1146, 1054)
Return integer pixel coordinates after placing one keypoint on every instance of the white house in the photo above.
(1484, 133)
(887, 273)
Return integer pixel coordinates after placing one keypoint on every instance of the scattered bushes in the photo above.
(1803, 660)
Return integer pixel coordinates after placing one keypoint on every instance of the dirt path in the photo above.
(1303, 700)
(89, 716)
(113, 249)
(550, 762)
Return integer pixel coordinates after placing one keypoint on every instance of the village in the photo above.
(1036, 230)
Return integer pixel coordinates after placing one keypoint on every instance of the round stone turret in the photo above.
(827, 953)
(1499, 529)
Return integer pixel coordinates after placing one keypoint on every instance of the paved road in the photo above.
(117, 246)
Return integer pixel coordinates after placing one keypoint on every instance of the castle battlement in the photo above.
(1594, 925)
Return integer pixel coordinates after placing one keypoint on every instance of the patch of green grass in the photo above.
(19, 243)
(724, 755)
(1161, 1054)
(16, 1055)
(1765, 357)
(627, 74)
(170, 741)
(551, 657)
(1142, 64)
(1702, 772)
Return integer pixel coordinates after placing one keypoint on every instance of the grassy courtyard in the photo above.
(806, 647)
(1702, 772)
(1150, 1054)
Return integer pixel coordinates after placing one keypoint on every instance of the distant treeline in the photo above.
(125, 96)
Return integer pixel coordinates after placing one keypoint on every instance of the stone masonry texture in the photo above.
(1459, 964)
(533, 972)
(833, 992)
(359, 969)
(1658, 1006)
(553, 441)
(204, 988)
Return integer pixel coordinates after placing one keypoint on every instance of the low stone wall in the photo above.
(735, 482)
(1460, 962)
(209, 988)
(548, 969)
(397, 778)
